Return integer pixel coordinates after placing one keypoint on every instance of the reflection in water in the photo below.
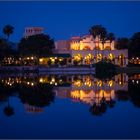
(39, 91)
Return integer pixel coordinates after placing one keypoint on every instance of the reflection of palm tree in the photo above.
(98, 110)
(95, 110)
(111, 103)
(103, 107)
(8, 110)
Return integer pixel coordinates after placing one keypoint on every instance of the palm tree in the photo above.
(111, 37)
(8, 30)
(95, 31)
(100, 32)
(103, 37)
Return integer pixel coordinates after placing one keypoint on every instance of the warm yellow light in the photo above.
(40, 60)
(75, 94)
(78, 57)
(88, 82)
(99, 56)
(60, 59)
(111, 56)
(53, 59)
(110, 83)
(32, 84)
(28, 83)
(53, 80)
(41, 80)
(99, 83)
(78, 83)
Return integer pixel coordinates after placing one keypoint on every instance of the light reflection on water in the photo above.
(36, 92)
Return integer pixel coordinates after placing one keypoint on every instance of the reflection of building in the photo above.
(33, 109)
(83, 88)
(134, 60)
(30, 31)
(90, 90)
(87, 50)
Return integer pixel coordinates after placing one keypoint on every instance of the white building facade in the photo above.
(30, 31)
(86, 50)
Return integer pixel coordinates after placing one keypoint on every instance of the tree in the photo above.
(111, 37)
(8, 30)
(134, 49)
(103, 36)
(40, 95)
(95, 31)
(100, 32)
(5, 49)
(38, 45)
(122, 43)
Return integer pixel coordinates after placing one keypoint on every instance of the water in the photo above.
(74, 106)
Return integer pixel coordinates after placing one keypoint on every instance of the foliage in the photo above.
(5, 49)
(134, 49)
(122, 43)
(39, 96)
(105, 70)
(8, 30)
(111, 37)
(101, 32)
(38, 45)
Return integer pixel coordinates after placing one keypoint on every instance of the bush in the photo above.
(105, 70)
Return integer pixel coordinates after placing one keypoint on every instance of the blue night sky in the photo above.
(62, 20)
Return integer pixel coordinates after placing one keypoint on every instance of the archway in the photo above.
(99, 57)
(86, 47)
(121, 59)
(88, 59)
(111, 57)
(77, 59)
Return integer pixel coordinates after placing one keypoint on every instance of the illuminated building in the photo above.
(30, 31)
(86, 50)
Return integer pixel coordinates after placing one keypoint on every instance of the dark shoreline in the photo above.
(128, 70)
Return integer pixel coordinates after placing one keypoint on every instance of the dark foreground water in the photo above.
(56, 106)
